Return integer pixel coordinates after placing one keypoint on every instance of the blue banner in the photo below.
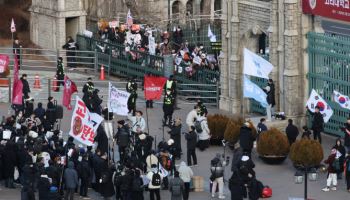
(251, 90)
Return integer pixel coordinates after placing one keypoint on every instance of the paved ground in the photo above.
(279, 177)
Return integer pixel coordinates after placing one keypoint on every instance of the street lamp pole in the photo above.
(168, 15)
(305, 184)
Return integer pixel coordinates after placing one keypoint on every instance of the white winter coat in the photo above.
(205, 135)
(186, 172)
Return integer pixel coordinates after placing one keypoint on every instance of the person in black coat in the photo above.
(270, 98)
(175, 134)
(137, 193)
(84, 175)
(292, 132)
(101, 139)
(246, 138)
(236, 186)
(26, 88)
(29, 172)
(339, 147)
(71, 46)
(106, 187)
(9, 163)
(306, 133)
(96, 102)
(51, 112)
(44, 185)
(346, 130)
(40, 111)
(191, 138)
(88, 89)
(123, 138)
(317, 124)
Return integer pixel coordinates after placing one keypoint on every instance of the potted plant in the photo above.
(306, 153)
(217, 124)
(273, 146)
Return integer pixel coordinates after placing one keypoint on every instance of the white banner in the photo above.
(341, 99)
(255, 65)
(151, 45)
(316, 100)
(84, 124)
(118, 101)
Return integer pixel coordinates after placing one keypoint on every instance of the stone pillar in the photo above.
(61, 5)
(224, 55)
(235, 72)
(60, 33)
(273, 46)
(292, 75)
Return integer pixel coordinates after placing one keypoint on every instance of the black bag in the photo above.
(198, 126)
(156, 179)
(137, 185)
(212, 178)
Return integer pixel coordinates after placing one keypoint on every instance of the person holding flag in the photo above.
(131, 87)
(317, 124)
(69, 88)
(270, 91)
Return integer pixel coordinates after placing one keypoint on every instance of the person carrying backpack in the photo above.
(176, 187)
(155, 183)
(332, 171)
(203, 132)
(217, 176)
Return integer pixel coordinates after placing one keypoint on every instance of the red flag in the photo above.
(13, 26)
(17, 87)
(69, 89)
(4, 63)
(153, 87)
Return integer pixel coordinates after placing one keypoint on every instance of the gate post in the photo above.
(10, 90)
(95, 64)
(217, 94)
(109, 64)
(49, 87)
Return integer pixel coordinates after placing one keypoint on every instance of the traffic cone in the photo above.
(54, 84)
(102, 73)
(37, 82)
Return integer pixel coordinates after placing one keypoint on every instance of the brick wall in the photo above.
(253, 12)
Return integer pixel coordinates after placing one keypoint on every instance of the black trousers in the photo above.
(84, 187)
(186, 192)
(191, 153)
(69, 194)
(317, 135)
(348, 180)
(153, 192)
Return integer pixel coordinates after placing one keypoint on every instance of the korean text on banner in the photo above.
(84, 124)
(153, 87)
(316, 100)
(255, 65)
(341, 99)
(118, 101)
(253, 91)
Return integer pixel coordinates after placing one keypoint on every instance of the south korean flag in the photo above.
(316, 100)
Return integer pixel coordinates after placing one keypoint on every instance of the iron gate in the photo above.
(329, 62)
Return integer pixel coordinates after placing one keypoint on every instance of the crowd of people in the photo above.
(188, 58)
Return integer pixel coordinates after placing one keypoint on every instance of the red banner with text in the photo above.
(333, 9)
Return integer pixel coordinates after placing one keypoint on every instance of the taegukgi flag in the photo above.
(316, 100)
(84, 124)
(251, 90)
(118, 101)
(255, 65)
(341, 99)
(13, 26)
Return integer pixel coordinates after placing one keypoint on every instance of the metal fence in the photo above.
(329, 64)
(48, 88)
(136, 64)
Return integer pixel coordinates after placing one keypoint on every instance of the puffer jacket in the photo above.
(216, 168)
(71, 176)
(205, 134)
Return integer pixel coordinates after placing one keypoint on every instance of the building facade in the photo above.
(53, 21)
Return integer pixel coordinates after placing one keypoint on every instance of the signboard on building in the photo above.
(334, 9)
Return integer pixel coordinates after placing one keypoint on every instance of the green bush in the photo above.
(273, 142)
(306, 152)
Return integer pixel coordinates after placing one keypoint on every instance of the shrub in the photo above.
(217, 124)
(273, 142)
(306, 152)
(233, 129)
